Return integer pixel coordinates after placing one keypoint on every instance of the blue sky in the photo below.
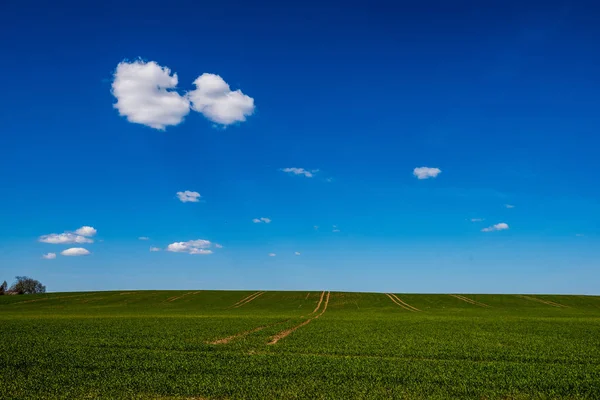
(502, 98)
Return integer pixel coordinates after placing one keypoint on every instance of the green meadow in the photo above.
(298, 345)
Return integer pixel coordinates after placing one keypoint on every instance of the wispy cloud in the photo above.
(509, 206)
(476, 219)
(296, 253)
(75, 251)
(497, 227)
(143, 238)
(272, 254)
(218, 246)
(154, 249)
(426, 172)
(188, 196)
(300, 171)
(262, 220)
(49, 256)
(335, 229)
(200, 246)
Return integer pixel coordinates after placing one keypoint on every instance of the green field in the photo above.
(199, 344)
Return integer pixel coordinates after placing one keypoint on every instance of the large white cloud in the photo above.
(75, 251)
(199, 246)
(188, 196)
(86, 231)
(49, 256)
(145, 94)
(217, 102)
(497, 227)
(300, 171)
(426, 172)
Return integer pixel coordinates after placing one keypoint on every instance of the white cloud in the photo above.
(426, 172)
(261, 220)
(199, 246)
(86, 231)
(218, 246)
(143, 238)
(509, 206)
(300, 171)
(335, 229)
(49, 256)
(189, 196)
(64, 238)
(476, 219)
(154, 248)
(296, 253)
(145, 94)
(217, 102)
(75, 251)
(498, 227)
(272, 254)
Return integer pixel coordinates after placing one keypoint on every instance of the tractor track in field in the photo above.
(172, 299)
(283, 334)
(243, 300)
(53, 298)
(470, 301)
(319, 303)
(249, 299)
(245, 333)
(547, 302)
(307, 294)
(401, 303)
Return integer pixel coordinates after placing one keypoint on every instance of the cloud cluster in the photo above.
(262, 220)
(300, 171)
(81, 235)
(497, 227)
(199, 246)
(188, 196)
(426, 172)
(146, 94)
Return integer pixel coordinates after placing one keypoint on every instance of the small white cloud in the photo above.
(64, 238)
(509, 206)
(426, 172)
(199, 246)
(143, 238)
(329, 180)
(75, 251)
(476, 219)
(154, 249)
(188, 196)
(498, 227)
(261, 220)
(335, 229)
(296, 253)
(49, 256)
(272, 254)
(214, 99)
(145, 94)
(86, 231)
(218, 246)
(579, 235)
(300, 171)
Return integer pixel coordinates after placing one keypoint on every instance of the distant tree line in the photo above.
(23, 285)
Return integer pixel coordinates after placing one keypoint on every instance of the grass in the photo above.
(157, 344)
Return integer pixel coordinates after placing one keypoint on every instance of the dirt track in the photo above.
(468, 300)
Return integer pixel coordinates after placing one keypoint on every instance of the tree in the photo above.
(3, 287)
(26, 285)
